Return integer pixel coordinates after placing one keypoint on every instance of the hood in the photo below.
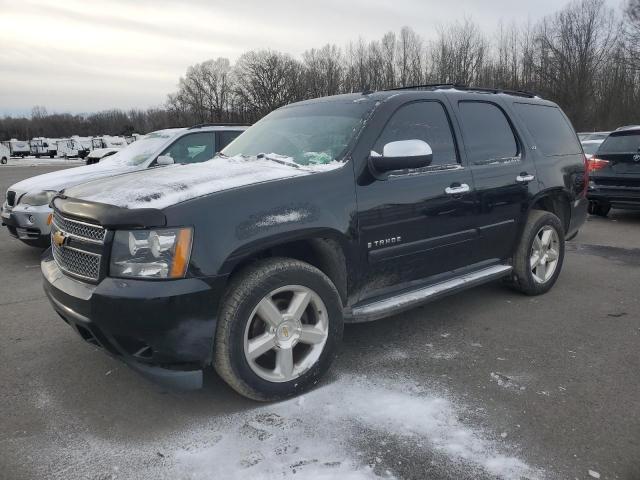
(69, 177)
(164, 186)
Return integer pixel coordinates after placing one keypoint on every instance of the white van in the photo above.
(5, 153)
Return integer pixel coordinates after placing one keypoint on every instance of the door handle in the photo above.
(457, 189)
(524, 177)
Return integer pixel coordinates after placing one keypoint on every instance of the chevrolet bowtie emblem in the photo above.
(285, 332)
(58, 238)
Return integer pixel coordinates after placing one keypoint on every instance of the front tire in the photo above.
(278, 330)
(3, 160)
(540, 254)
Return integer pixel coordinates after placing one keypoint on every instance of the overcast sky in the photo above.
(87, 55)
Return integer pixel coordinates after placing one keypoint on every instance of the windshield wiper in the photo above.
(281, 161)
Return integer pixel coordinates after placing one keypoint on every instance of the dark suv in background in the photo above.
(341, 209)
(614, 173)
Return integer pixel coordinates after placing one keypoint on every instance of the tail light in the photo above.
(586, 175)
(594, 164)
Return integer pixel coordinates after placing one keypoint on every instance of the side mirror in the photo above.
(164, 160)
(401, 155)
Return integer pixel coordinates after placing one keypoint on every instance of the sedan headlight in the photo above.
(162, 253)
(36, 199)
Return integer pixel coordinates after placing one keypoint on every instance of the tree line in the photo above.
(585, 57)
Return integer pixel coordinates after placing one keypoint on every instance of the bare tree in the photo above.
(267, 80)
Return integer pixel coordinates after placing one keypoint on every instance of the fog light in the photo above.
(31, 219)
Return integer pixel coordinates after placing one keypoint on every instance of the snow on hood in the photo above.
(61, 179)
(164, 186)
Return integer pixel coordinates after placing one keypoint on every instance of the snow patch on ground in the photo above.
(510, 383)
(310, 437)
(325, 434)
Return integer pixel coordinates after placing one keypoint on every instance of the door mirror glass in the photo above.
(165, 160)
(402, 155)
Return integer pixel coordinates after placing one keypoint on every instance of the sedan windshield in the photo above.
(141, 150)
(309, 134)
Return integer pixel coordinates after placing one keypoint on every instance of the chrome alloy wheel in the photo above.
(545, 253)
(286, 333)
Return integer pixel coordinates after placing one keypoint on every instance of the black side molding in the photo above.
(109, 216)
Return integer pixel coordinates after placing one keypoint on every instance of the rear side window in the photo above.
(552, 133)
(487, 133)
(425, 121)
(225, 138)
(623, 142)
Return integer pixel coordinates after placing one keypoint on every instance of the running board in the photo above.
(405, 301)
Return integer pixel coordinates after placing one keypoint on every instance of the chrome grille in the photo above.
(74, 248)
(80, 230)
(11, 198)
(77, 262)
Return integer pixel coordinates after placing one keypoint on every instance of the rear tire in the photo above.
(540, 254)
(599, 209)
(301, 346)
(3, 160)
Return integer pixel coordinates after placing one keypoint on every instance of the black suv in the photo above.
(614, 173)
(342, 209)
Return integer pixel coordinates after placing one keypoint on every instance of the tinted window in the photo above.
(550, 130)
(226, 137)
(487, 134)
(425, 121)
(192, 148)
(623, 142)
(590, 148)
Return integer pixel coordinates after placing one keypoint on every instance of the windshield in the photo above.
(622, 142)
(141, 150)
(310, 134)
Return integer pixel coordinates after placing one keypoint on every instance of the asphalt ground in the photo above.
(485, 384)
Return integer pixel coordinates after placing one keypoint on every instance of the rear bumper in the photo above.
(162, 329)
(578, 216)
(629, 200)
(616, 191)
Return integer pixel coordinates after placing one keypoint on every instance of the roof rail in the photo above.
(201, 125)
(455, 86)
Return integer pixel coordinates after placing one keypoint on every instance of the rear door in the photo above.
(503, 172)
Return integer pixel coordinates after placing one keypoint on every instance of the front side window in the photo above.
(426, 121)
(552, 133)
(309, 134)
(192, 148)
(487, 133)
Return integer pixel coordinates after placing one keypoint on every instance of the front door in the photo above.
(419, 223)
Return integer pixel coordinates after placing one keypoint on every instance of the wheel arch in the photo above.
(556, 201)
(324, 249)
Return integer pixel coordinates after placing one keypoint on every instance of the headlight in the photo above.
(162, 253)
(37, 198)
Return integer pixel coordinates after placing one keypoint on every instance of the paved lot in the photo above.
(488, 383)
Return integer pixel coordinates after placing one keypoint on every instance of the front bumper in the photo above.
(162, 329)
(28, 223)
